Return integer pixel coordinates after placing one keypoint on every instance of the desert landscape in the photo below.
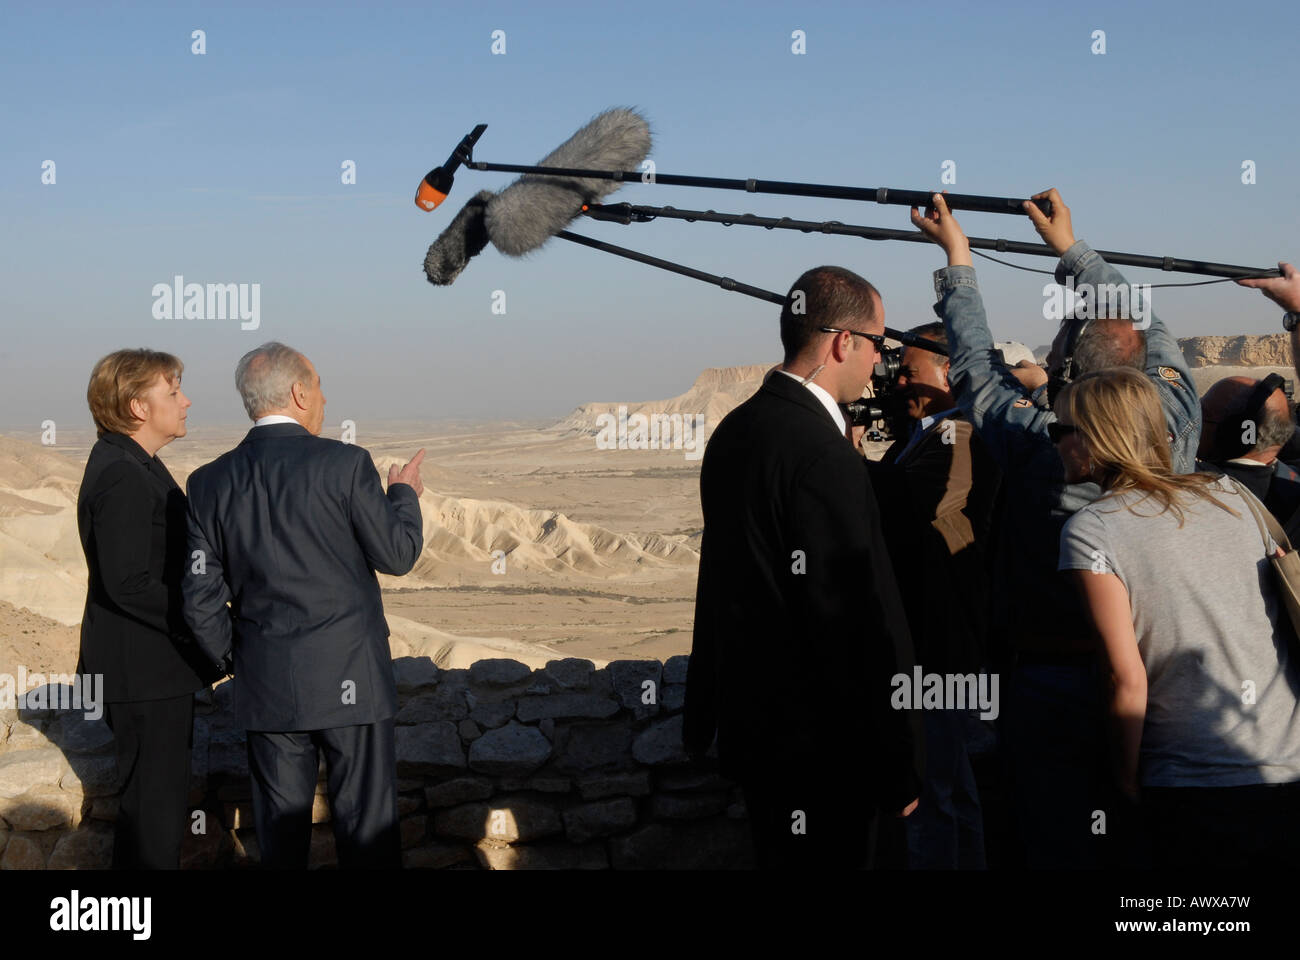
(539, 544)
(541, 540)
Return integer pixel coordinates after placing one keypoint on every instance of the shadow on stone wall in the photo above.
(498, 767)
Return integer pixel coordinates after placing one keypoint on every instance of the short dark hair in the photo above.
(938, 333)
(825, 297)
(1099, 349)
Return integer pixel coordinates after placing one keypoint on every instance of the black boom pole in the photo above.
(906, 198)
(635, 213)
(726, 283)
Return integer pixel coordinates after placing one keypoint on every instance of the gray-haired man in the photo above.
(289, 528)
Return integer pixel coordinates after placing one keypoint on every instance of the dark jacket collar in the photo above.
(123, 442)
(136, 452)
(269, 431)
(782, 386)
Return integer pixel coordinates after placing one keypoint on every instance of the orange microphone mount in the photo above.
(437, 182)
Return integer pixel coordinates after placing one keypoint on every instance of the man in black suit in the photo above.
(798, 624)
(290, 528)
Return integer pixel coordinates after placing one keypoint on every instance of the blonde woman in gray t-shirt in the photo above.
(1174, 573)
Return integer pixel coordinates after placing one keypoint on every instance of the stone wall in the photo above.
(498, 767)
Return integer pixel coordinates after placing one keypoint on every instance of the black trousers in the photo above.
(1233, 827)
(361, 762)
(153, 740)
(802, 820)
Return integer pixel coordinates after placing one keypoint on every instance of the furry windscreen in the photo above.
(464, 238)
(535, 207)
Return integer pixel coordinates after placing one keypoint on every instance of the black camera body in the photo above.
(885, 407)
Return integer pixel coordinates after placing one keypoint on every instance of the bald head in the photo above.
(1104, 343)
(1227, 424)
(1124, 338)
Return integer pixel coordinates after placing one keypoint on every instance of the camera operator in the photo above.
(1051, 724)
(937, 486)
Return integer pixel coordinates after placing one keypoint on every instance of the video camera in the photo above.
(884, 406)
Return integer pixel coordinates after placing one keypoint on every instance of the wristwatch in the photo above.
(1289, 320)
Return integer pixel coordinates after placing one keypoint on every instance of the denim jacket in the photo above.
(1039, 609)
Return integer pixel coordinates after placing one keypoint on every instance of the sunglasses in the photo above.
(877, 338)
(1058, 431)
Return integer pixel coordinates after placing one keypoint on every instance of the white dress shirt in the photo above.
(826, 399)
(273, 418)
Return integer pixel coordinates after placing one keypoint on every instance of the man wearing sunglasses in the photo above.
(799, 629)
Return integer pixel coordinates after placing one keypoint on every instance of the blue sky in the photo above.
(225, 168)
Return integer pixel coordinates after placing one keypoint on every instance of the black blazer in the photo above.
(292, 528)
(939, 500)
(788, 665)
(131, 518)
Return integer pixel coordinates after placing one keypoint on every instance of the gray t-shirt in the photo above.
(1222, 705)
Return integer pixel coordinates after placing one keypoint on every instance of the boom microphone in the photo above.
(535, 207)
(595, 161)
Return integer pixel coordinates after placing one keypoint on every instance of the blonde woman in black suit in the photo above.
(131, 517)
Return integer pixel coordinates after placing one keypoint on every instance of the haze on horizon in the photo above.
(226, 168)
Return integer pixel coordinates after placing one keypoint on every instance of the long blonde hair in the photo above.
(1118, 415)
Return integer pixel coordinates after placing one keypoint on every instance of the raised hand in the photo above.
(409, 474)
(1057, 231)
(1283, 290)
(942, 227)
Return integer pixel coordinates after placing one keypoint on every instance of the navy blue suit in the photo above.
(289, 528)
